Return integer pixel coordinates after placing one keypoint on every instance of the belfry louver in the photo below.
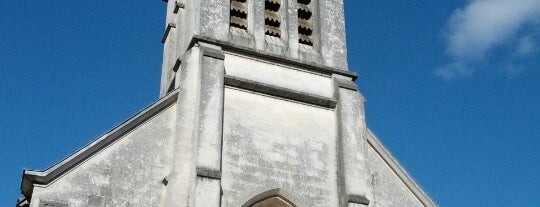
(272, 18)
(239, 14)
(305, 25)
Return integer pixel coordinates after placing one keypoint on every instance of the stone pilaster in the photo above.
(181, 180)
(208, 184)
(352, 145)
(196, 166)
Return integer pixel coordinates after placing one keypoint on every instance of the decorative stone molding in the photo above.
(280, 92)
(167, 31)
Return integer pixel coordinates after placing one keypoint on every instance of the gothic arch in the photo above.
(272, 198)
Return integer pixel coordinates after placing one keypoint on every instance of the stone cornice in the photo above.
(280, 92)
(272, 57)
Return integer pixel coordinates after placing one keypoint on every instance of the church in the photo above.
(257, 108)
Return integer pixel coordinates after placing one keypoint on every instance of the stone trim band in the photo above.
(280, 92)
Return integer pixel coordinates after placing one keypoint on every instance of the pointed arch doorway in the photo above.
(271, 198)
(273, 202)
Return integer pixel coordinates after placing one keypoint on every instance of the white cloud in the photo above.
(483, 25)
(454, 70)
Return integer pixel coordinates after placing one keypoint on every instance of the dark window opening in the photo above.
(239, 14)
(305, 22)
(272, 19)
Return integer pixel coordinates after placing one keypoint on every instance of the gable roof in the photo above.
(398, 169)
(31, 177)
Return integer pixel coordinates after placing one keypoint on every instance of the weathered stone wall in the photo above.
(272, 143)
(223, 144)
(293, 78)
(388, 189)
(127, 173)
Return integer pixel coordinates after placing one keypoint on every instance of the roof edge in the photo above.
(31, 177)
(402, 174)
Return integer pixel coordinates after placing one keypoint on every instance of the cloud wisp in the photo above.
(485, 25)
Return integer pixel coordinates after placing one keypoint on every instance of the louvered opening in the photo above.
(305, 25)
(272, 19)
(239, 14)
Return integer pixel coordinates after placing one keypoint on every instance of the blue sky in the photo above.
(452, 87)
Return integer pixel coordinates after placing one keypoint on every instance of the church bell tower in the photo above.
(257, 108)
(267, 103)
(291, 32)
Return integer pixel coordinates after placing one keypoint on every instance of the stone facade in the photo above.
(257, 108)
